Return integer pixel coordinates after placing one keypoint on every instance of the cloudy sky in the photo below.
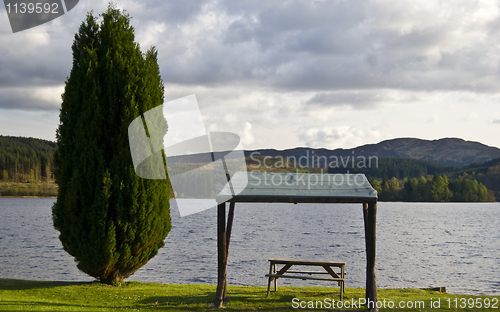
(283, 74)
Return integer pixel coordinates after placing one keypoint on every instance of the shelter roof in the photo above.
(297, 188)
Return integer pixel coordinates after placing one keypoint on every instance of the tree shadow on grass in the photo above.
(42, 306)
(18, 284)
(200, 301)
(238, 300)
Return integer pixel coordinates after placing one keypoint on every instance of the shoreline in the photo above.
(28, 196)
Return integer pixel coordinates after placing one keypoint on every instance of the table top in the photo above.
(307, 262)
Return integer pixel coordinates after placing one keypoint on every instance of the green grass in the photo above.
(22, 295)
(25, 189)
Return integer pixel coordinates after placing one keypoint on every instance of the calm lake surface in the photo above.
(418, 244)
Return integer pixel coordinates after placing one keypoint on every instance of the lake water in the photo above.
(419, 245)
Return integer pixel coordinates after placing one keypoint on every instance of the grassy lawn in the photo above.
(16, 295)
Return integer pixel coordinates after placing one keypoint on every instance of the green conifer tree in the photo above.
(110, 220)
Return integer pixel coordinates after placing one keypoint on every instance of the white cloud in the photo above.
(247, 137)
(147, 35)
(36, 124)
(433, 118)
(334, 136)
(230, 119)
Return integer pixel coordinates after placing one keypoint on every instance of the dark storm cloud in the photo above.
(42, 57)
(332, 45)
(26, 99)
(32, 73)
(324, 47)
(359, 99)
(26, 72)
(169, 12)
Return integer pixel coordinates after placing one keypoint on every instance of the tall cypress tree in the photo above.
(110, 220)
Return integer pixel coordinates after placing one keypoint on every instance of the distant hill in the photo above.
(447, 151)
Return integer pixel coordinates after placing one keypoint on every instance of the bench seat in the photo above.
(303, 277)
(285, 272)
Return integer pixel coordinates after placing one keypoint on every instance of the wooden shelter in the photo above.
(262, 187)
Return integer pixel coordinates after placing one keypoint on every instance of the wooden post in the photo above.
(370, 218)
(230, 217)
(221, 255)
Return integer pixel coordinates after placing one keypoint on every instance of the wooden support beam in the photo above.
(221, 255)
(230, 217)
(223, 240)
(370, 218)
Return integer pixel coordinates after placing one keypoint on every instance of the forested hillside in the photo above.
(26, 159)
(395, 167)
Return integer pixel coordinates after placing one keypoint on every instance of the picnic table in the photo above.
(275, 187)
(284, 272)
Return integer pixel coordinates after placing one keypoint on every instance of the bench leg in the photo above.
(342, 291)
(275, 280)
(342, 286)
(269, 280)
(268, 285)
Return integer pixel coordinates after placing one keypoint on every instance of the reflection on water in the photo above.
(418, 244)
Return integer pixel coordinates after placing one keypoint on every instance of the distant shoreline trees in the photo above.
(26, 159)
(436, 188)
